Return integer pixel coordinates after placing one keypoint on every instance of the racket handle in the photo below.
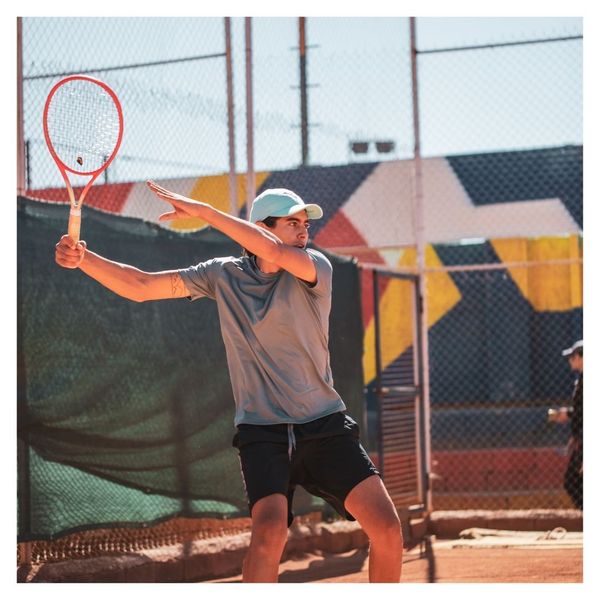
(74, 224)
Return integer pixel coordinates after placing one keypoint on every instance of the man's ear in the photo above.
(261, 224)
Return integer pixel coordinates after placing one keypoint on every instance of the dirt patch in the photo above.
(442, 565)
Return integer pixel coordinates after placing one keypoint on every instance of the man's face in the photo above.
(293, 230)
(576, 362)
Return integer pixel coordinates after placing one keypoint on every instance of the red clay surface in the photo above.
(448, 565)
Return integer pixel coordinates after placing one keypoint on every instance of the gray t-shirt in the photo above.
(275, 328)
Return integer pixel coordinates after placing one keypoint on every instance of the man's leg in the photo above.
(370, 504)
(573, 480)
(269, 535)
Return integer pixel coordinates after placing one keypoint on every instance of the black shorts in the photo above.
(324, 456)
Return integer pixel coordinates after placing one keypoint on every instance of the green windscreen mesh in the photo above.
(125, 410)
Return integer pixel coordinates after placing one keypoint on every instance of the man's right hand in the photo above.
(69, 254)
(558, 415)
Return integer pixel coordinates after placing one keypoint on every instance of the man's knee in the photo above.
(269, 535)
(370, 503)
(269, 526)
(388, 530)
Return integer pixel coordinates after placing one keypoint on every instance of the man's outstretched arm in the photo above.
(258, 240)
(124, 280)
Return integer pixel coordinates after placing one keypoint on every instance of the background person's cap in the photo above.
(575, 346)
(280, 202)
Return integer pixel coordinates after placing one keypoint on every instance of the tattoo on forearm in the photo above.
(177, 286)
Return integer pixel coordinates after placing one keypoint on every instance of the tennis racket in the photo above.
(83, 127)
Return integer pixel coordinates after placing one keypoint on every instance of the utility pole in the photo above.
(303, 89)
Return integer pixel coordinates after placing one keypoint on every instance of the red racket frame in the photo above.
(75, 213)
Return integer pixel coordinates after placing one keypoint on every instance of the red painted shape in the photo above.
(485, 471)
(110, 197)
(340, 232)
(498, 469)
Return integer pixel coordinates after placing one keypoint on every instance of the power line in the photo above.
(501, 44)
(129, 66)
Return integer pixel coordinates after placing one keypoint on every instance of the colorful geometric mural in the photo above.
(522, 206)
(494, 336)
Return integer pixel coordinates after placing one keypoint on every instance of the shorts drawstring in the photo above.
(291, 440)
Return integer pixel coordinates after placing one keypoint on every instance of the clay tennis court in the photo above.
(443, 565)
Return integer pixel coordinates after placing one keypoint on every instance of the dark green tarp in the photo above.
(125, 410)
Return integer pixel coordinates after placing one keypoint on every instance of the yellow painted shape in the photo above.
(214, 190)
(547, 287)
(397, 311)
(576, 270)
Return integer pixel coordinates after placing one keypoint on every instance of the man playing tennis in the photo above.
(274, 305)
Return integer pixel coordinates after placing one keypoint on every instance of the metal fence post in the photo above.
(378, 390)
(233, 205)
(250, 178)
(20, 128)
(420, 236)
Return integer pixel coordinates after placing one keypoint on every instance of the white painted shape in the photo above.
(391, 256)
(381, 209)
(144, 204)
(450, 214)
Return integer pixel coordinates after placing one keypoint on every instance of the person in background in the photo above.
(573, 479)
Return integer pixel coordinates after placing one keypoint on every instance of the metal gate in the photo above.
(397, 389)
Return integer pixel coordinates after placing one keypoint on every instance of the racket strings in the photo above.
(83, 125)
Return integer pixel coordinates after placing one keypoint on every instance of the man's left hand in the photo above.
(183, 208)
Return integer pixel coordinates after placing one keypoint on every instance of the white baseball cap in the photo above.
(576, 346)
(279, 202)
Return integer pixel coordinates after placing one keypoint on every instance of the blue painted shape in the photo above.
(524, 175)
(492, 347)
(512, 427)
(329, 187)
(479, 351)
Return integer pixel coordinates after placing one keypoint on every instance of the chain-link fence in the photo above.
(494, 197)
(496, 368)
(169, 73)
(495, 360)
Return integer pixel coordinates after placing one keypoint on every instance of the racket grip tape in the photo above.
(74, 224)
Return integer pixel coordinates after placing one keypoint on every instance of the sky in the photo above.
(359, 88)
